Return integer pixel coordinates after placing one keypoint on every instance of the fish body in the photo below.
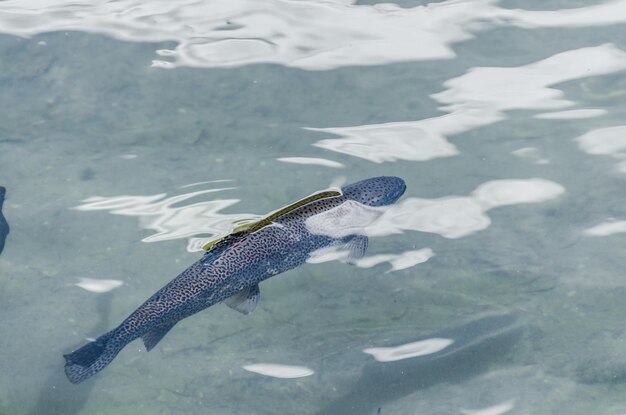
(4, 226)
(232, 268)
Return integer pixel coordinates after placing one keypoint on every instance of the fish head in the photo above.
(376, 191)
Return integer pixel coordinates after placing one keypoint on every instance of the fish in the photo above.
(233, 266)
(4, 226)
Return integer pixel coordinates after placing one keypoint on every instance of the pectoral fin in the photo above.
(356, 248)
(151, 338)
(245, 301)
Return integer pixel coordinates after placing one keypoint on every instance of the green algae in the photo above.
(257, 225)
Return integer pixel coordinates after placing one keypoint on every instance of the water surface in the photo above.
(131, 134)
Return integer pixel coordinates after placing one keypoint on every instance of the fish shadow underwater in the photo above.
(477, 345)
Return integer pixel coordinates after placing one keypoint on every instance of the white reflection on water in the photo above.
(532, 154)
(309, 34)
(456, 216)
(607, 228)
(610, 141)
(499, 409)
(279, 371)
(571, 114)
(353, 218)
(98, 286)
(349, 218)
(205, 182)
(417, 141)
(160, 213)
(312, 161)
(476, 99)
(451, 217)
(398, 262)
(327, 254)
(498, 193)
(409, 350)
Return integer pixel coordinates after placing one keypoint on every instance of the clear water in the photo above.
(132, 132)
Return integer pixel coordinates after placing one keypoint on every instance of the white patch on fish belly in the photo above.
(349, 218)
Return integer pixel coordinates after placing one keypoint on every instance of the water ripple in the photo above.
(457, 216)
(398, 262)
(476, 99)
(451, 217)
(159, 213)
(312, 161)
(313, 34)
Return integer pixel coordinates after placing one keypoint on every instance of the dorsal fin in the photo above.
(255, 226)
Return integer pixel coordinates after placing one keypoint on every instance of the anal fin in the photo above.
(151, 338)
(246, 300)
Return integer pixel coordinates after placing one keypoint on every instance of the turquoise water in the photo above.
(132, 133)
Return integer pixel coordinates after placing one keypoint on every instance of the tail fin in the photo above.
(91, 358)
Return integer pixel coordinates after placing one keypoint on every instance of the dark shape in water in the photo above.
(607, 369)
(4, 226)
(234, 266)
(477, 345)
(57, 397)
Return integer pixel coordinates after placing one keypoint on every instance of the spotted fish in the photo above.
(232, 268)
(4, 226)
